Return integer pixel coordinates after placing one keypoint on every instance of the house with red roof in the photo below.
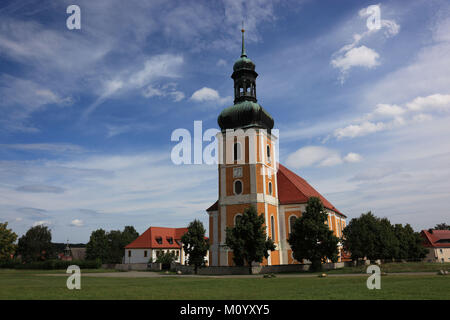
(155, 241)
(250, 175)
(438, 244)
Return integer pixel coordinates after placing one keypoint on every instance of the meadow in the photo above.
(33, 284)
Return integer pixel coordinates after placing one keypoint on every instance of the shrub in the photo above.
(51, 264)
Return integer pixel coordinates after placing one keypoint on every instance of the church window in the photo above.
(272, 227)
(291, 223)
(238, 187)
(268, 153)
(270, 188)
(237, 151)
(237, 218)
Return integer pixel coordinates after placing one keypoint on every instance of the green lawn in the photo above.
(21, 284)
(398, 267)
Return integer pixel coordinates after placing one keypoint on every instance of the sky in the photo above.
(361, 101)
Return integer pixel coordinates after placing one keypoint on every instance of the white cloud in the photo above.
(318, 156)
(77, 223)
(352, 55)
(356, 130)
(388, 110)
(356, 57)
(352, 157)
(221, 63)
(45, 147)
(209, 95)
(168, 89)
(421, 117)
(431, 102)
(395, 116)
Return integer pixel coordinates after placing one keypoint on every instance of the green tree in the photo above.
(248, 239)
(98, 246)
(388, 243)
(129, 234)
(109, 246)
(361, 237)
(410, 243)
(165, 258)
(442, 226)
(115, 246)
(36, 244)
(7, 239)
(311, 238)
(375, 238)
(195, 244)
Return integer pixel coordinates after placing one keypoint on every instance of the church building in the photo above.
(250, 175)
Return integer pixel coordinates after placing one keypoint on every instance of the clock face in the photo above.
(237, 172)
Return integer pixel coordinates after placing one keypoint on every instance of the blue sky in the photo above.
(87, 115)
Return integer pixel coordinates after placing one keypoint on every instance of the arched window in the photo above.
(237, 151)
(291, 223)
(270, 188)
(238, 187)
(268, 152)
(272, 227)
(237, 218)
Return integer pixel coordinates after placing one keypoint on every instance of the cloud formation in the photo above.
(318, 156)
(355, 55)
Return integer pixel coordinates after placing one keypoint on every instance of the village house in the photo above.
(438, 244)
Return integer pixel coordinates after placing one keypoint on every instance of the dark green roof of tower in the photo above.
(245, 114)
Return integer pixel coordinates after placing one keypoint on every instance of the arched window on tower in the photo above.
(237, 151)
(272, 227)
(270, 188)
(268, 153)
(238, 187)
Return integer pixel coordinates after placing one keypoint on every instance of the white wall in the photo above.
(137, 255)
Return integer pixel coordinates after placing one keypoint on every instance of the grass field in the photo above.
(398, 267)
(20, 284)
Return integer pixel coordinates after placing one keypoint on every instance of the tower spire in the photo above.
(243, 54)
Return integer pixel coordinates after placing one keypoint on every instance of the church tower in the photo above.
(247, 166)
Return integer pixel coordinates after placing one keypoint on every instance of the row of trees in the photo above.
(375, 238)
(109, 246)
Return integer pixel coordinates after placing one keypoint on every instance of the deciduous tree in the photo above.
(248, 239)
(7, 242)
(195, 244)
(36, 244)
(311, 238)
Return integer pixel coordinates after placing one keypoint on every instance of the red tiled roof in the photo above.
(436, 238)
(148, 238)
(214, 207)
(292, 189)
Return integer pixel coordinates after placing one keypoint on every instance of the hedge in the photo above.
(51, 264)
